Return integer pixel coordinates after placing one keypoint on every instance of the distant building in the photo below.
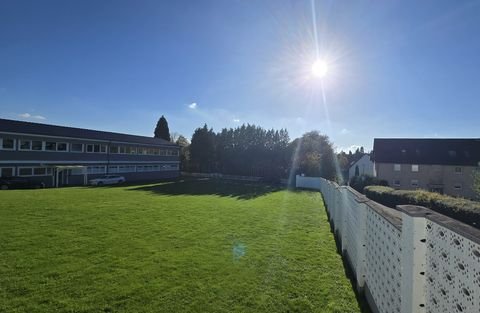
(58, 155)
(364, 166)
(440, 165)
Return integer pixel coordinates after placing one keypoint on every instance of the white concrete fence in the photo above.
(408, 259)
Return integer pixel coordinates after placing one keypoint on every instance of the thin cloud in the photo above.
(192, 105)
(344, 131)
(236, 120)
(30, 116)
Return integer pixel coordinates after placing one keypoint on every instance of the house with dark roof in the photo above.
(440, 165)
(59, 155)
(362, 166)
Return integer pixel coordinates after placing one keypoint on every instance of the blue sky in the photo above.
(396, 68)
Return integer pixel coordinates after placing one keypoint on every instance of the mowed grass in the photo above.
(186, 246)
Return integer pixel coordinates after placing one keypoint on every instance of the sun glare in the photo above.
(320, 68)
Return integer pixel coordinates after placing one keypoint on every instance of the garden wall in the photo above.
(409, 259)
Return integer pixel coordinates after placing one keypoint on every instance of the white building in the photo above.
(364, 165)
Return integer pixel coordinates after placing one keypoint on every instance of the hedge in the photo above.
(460, 209)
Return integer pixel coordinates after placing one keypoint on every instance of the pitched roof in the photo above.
(464, 152)
(63, 131)
(356, 161)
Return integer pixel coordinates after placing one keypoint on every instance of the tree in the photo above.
(184, 152)
(202, 150)
(476, 182)
(174, 137)
(247, 150)
(162, 131)
(313, 155)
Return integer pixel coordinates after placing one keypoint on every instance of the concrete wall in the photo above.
(406, 260)
(429, 177)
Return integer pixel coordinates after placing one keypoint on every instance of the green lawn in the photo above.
(189, 246)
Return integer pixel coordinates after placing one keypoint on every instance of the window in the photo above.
(396, 167)
(34, 171)
(62, 146)
(126, 168)
(7, 171)
(458, 170)
(414, 183)
(113, 169)
(123, 150)
(163, 152)
(396, 182)
(457, 186)
(131, 150)
(96, 148)
(39, 171)
(452, 153)
(96, 169)
(414, 167)
(142, 150)
(37, 145)
(114, 149)
(50, 146)
(76, 147)
(25, 145)
(170, 152)
(7, 143)
(25, 171)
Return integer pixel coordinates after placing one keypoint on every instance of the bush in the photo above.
(360, 182)
(460, 209)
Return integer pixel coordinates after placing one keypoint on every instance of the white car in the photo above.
(107, 180)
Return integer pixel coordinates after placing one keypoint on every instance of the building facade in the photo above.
(364, 165)
(441, 165)
(59, 156)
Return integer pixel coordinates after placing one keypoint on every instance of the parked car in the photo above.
(107, 180)
(19, 183)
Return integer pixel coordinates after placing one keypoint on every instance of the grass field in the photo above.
(188, 246)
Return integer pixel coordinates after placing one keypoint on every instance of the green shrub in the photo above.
(460, 209)
(360, 182)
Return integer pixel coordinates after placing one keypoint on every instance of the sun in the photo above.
(319, 68)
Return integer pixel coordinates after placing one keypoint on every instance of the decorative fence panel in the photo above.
(408, 259)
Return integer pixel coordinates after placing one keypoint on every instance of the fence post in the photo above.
(343, 217)
(413, 259)
(361, 270)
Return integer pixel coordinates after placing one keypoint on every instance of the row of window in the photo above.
(26, 171)
(415, 168)
(39, 145)
(415, 183)
(96, 169)
(114, 169)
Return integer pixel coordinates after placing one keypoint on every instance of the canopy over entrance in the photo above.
(59, 173)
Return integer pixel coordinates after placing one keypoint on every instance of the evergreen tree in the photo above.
(202, 150)
(161, 130)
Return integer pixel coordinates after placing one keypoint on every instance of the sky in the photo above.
(395, 68)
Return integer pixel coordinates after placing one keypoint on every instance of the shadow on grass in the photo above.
(207, 186)
(360, 296)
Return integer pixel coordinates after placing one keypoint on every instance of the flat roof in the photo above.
(21, 127)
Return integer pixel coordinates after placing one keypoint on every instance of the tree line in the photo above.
(251, 150)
